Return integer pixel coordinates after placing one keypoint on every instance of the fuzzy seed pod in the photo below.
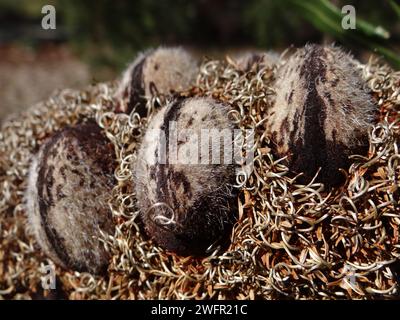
(186, 199)
(70, 180)
(160, 71)
(246, 60)
(321, 114)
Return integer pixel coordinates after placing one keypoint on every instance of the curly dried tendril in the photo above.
(166, 220)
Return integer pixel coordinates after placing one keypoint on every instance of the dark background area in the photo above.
(94, 40)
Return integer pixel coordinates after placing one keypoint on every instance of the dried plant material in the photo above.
(292, 240)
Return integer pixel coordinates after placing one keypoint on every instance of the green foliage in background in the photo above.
(377, 23)
(117, 29)
(110, 32)
(29, 8)
(327, 18)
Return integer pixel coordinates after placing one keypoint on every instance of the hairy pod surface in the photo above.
(321, 114)
(160, 71)
(186, 197)
(70, 180)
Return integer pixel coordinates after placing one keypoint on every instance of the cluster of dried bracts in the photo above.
(194, 196)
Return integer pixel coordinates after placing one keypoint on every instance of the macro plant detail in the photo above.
(290, 238)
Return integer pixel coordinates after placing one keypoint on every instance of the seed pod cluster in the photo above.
(70, 181)
(160, 71)
(246, 60)
(186, 200)
(320, 116)
(321, 113)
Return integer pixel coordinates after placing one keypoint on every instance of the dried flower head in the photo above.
(291, 240)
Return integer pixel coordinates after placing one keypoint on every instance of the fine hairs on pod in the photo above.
(245, 60)
(321, 113)
(187, 199)
(165, 71)
(70, 180)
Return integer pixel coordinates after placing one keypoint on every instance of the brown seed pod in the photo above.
(186, 197)
(70, 180)
(246, 60)
(160, 71)
(321, 114)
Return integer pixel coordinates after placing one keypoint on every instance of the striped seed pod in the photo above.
(185, 189)
(161, 71)
(70, 180)
(321, 113)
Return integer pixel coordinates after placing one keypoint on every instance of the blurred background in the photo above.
(94, 40)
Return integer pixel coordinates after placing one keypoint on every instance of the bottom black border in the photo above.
(197, 309)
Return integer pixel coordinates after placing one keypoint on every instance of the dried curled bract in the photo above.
(321, 114)
(185, 182)
(70, 181)
(160, 71)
